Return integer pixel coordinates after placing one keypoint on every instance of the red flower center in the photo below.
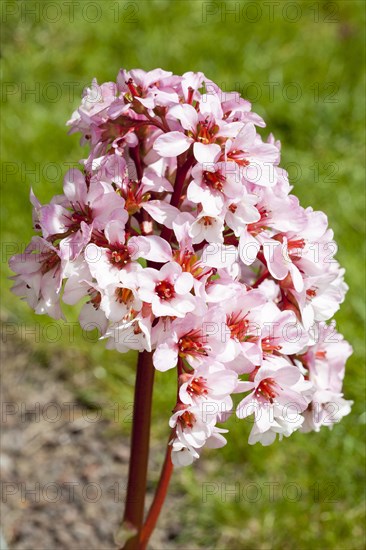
(187, 419)
(267, 389)
(295, 247)
(311, 292)
(197, 386)
(191, 344)
(119, 256)
(81, 213)
(261, 224)
(215, 180)
(123, 295)
(49, 260)
(238, 156)
(269, 346)
(165, 290)
(95, 298)
(239, 327)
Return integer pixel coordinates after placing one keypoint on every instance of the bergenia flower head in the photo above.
(181, 237)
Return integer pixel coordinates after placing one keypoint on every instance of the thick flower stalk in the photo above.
(181, 237)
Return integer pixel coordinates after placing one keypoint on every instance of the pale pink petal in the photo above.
(274, 255)
(74, 186)
(138, 247)
(159, 249)
(172, 144)
(296, 276)
(184, 283)
(206, 153)
(165, 357)
(186, 114)
(248, 248)
(219, 255)
(245, 137)
(161, 212)
(53, 219)
(115, 232)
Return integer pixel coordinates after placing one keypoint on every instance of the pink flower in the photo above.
(325, 362)
(116, 253)
(322, 295)
(210, 381)
(84, 208)
(93, 110)
(182, 455)
(281, 256)
(280, 331)
(79, 285)
(147, 88)
(278, 395)
(241, 211)
(207, 228)
(193, 338)
(241, 330)
(276, 214)
(167, 290)
(118, 300)
(194, 428)
(256, 158)
(214, 183)
(133, 332)
(191, 428)
(195, 129)
(39, 273)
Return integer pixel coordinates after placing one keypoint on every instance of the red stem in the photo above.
(180, 179)
(162, 488)
(164, 126)
(261, 258)
(261, 278)
(177, 193)
(136, 488)
(135, 155)
(159, 499)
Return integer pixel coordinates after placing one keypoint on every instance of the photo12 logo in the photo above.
(255, 12)
(69, 11)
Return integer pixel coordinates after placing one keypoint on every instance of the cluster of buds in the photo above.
(181, 237)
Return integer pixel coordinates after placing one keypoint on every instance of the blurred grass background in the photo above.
(301, 65)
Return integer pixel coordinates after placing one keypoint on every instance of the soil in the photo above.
(64, 467)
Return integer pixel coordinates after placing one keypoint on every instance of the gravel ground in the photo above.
(63, 467)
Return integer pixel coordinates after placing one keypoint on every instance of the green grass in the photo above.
(322, 139)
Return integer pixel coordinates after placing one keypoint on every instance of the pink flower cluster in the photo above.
(181, 237)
